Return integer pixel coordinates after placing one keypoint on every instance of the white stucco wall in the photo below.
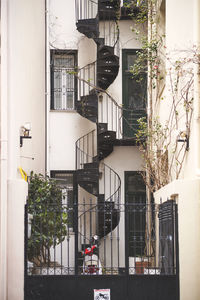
(179, 42)
(26, 84)
(65, 129)
(182, 21)
(186, 193)
(17, 191)
(22, 100)
(124, 158)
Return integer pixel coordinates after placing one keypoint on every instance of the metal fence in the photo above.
(101, 238)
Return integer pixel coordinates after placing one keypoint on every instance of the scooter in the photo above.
(91, 262)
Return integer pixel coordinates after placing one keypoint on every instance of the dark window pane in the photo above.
(136, 213)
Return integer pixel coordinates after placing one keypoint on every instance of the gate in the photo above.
(144, 266)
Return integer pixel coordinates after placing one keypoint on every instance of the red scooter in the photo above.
(91, 262)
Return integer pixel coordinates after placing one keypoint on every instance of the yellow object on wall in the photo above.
(23, 174)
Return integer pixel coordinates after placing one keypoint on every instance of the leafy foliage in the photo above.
(49, 224)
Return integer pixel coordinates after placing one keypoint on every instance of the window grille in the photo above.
(63, 81)
(65, 179)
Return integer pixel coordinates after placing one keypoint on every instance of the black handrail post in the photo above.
(25, 243)
(76, 222)
(177, 251)
(126, 213)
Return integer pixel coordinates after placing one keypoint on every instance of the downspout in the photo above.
(197, 86)
(3, 147)
(46, 86)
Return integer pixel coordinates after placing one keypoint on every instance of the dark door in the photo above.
(134, 92)
(135, 197)
(167, 236)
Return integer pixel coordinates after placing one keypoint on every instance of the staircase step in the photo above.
(108, 9)
(88, 175)
(88, 106)
(106, 205)
(94, 165)
(88, 27)
(106, 137)
(102, 127)
(106, 73)
(108, 219)
(101, 198)
(91, 99)
(91, 188)
(90, 113)
(105, 153)
(99, 41)
(104, 82)
(104, 51)
(82, 108)
(112, 3)
(88, 179)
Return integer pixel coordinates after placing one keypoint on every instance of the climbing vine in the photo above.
(163, 141)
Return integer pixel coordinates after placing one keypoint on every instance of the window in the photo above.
(66, 179)
(135, 197)
(63, 81)
(134, 94)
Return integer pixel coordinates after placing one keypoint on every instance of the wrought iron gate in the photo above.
(147, 272)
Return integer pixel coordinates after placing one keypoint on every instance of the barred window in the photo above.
(66, 179)
(63, 80)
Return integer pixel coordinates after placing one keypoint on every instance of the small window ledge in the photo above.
(64, 110)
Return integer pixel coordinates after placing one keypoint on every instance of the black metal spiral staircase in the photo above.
(93, 175)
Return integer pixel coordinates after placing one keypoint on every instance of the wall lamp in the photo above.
(183, 138)
(25, 132)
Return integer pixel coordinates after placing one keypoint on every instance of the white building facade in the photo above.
(69, 82)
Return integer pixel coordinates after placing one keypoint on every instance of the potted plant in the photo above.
(49, 219)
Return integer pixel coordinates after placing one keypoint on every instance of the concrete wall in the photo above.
(182, 33)
(179, 44)
(22, 100)
(186, 193)
(26, 84)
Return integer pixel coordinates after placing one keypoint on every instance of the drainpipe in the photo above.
(47, 88)
(197, 87)
(4, 149)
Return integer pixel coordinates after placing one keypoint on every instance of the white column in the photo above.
(3, 152)
(17, 191)
(197, 87)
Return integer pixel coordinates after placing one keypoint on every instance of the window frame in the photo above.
(54, 52)
(137, 112)
(130, 231)
(72, 172)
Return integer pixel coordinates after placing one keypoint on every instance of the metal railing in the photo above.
(149, 246)
(110, 112)
(86, 9)
(86, 79)
(86, 149)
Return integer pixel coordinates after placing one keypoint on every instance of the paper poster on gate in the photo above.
(102, 294)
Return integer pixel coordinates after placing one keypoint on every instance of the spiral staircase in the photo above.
(95, 104)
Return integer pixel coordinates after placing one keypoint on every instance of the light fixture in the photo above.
(25, 132)
(183, 138)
